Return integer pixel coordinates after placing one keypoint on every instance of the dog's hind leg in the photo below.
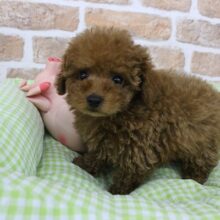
(198, 167)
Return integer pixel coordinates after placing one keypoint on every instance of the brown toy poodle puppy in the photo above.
(135, 118)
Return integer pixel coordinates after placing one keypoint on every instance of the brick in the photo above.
(23, 73)
(199, 32)
(110, 1)
(11, 48)
(45, 47)
(167, 58)
(143, 25)
(206, 64)
(180, 5)
(210, 8)
(24, 15)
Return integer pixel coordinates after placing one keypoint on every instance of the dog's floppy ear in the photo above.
(143, 62)
(148, 85)
(61, 84)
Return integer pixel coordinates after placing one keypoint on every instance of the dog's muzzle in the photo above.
(94, 100)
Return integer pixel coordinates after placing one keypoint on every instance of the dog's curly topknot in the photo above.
(133, 117)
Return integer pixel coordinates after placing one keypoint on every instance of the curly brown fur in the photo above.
(151, 118)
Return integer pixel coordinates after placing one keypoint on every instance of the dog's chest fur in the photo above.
(119, 139)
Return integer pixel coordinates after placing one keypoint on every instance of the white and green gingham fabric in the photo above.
(38, 180)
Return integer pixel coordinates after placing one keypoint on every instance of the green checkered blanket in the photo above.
(38, 180)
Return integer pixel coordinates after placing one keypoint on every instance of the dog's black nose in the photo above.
(94, 100)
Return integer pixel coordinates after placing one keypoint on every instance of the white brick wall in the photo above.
(178, 52)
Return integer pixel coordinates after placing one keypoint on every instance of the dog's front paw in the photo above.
(119, 190)
(79, 162)
(85, 165)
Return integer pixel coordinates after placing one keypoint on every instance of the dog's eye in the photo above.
(117, 79)
(83, 74)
